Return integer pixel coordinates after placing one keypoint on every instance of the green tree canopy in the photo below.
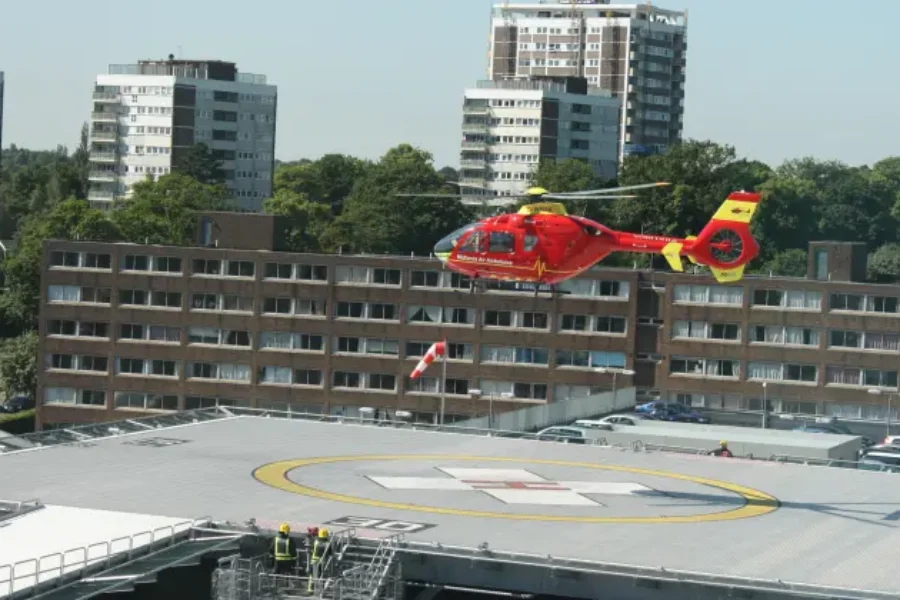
(305, 221)
(328, 180)
(200, 163)
(19, 365)
(375, 220)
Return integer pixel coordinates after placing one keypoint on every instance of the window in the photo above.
(226, 372)
(782, 372)
(133, 297)
(166, 299)
(307, 377)
(386, 276)
(135, 262)
(163, 368)
(74, 293)
(821, 263)
(589, 359)
(841, 375)
(205, 302)
(344, 379)
(277, 306)
(708, 294)
(96, 295)
(64, 259)
(845, 339)
(591, 287)
(498, 318)
(82, 260)
(312, 272)
(425, 279)
(202, 266)
(707, 331)
(534, 320)
(460, 352)
(98, 364)
(780, 335)
(311, 308)
(613, 325)
(882, 304)
(140, 401)
(459, 387)
(58, 395)
(512, 354)
(167, 264)
(790, 299)
(384, 312)
(573, 323)
(530, 391)
(236, 338)
(287, 341)
(381, 381)
(237, 303)
(130, 366)
(279, 271)
(77, 329)
(418, 314)
(240, 268)
(886, 342)
(706, 367)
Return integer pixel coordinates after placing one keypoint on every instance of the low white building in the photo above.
(145, 114)
(509, 126)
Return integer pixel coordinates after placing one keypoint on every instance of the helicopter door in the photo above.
(502, 244)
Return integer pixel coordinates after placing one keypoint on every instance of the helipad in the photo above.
(813, 525)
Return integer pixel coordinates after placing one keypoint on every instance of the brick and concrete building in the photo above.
(637, 51)
(127, 329)
(146, 114)
(509, 126)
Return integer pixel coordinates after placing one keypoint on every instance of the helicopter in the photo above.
(543, 244)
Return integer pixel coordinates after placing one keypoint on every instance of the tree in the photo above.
(18, 364)
(566, 175)
(702, 174)
(375, 220)
(328, 180)
(201, 164)
(787, 263)
(164, 211)
(71, 219)
(305, 222)
(884, 264)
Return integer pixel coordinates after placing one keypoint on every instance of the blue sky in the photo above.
(774, 78)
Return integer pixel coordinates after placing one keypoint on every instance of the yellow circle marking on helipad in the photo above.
(275, 474)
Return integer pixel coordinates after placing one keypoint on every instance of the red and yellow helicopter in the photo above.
(543, 244)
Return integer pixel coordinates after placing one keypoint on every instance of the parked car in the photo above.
(671, 411)
(880, 461)
(566, 435)
(17, 404)
(607, 422)
(838, 428)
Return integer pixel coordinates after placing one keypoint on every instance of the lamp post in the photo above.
(765, 411)
(615, 372)
(878, 392)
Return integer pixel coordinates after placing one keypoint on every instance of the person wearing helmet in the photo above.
(320, 548)
(722, 450)
(284, 551)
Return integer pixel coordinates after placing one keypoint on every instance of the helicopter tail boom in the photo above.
(725, 244)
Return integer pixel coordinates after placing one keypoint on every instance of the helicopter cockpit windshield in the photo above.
(448, 244)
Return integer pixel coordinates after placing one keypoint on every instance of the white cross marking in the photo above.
(513, 486)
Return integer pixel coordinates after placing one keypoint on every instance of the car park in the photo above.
(566, 435)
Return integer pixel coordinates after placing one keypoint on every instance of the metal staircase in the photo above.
(357, 569)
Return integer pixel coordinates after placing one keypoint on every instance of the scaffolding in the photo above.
(351, 571)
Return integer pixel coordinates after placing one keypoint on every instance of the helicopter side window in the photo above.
(474, 243)
(502, 242)
(530, 242)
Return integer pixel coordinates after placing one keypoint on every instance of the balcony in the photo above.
(110, 176)
(476, 180)
(476, 110)
(475, 163)
(473, 145)
(475, 127)
(103, 156)
(100, 195)
(105, 116)
(109, 136)
(106, 96)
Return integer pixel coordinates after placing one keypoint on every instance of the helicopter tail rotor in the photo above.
(725, 245)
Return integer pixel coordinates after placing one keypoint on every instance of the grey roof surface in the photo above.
(830, 526)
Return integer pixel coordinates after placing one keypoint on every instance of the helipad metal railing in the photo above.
(88, 433)
(27, 574)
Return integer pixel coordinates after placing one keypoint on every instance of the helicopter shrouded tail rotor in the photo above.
(725, 245)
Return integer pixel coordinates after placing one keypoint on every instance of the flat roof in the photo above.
(821, 526)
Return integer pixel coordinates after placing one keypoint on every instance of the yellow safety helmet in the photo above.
(323, 533)
(284, 528)
(723, 443)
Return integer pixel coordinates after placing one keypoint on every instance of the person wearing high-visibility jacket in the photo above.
(284, 550)
(318, 556)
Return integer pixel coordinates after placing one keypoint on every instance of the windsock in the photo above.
(437, 349)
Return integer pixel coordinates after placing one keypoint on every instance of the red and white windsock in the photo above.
(437, 349)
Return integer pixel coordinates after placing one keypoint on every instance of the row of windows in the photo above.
(496, 354)
(787, 336)
(414, 313)
(783, 372)
(804, 300)
(308, 273)
(344, 380)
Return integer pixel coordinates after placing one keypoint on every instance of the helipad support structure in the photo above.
(768, 525)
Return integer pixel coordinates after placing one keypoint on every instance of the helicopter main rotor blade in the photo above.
(557, 197)
(619, 189)
(428, 195)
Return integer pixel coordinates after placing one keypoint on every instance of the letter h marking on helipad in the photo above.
(513, 486)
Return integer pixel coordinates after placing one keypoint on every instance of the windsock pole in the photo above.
(443, 380)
